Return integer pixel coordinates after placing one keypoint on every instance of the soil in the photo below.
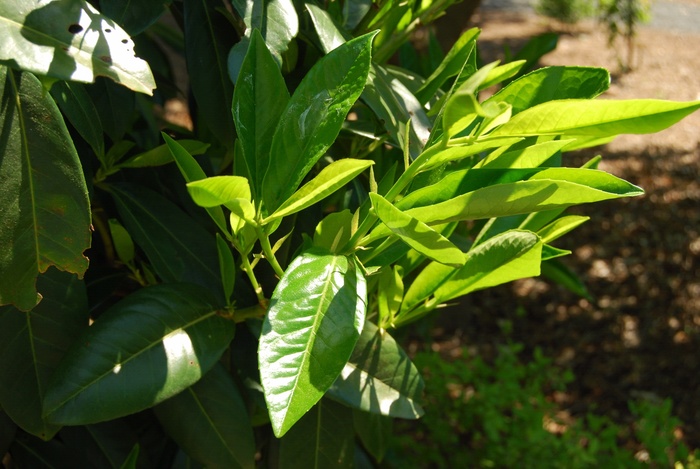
(640, 258)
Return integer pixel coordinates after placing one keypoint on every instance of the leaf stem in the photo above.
(248, 269)
(267, 251)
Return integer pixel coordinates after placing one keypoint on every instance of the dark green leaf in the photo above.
(77, 106)
(32, 344)
(104, 445)
(148, 347)
(70, 41)
(315, 317)
(8, 430)
(45, 210)
(31, 452)
(227, 266)
(374, 431)
(328, 32)
(134, 17)
(210, 422)
(313, 117)
(323, 438)
(561, 274)
(115, 105)
(380, 378)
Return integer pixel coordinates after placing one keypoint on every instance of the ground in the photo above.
(640, 258)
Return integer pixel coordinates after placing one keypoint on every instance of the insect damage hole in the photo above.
(75, 28)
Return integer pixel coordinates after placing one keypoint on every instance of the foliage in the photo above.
(566, 11)
(245, 276)
(622, 18)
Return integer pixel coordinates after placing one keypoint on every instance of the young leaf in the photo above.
(315, 317)
(462, 106)
(330, 179)
(233, 192)
(210, 422)
(122, 241)
(70, 41)
(324, 437)
(45, 207)
(259, 98)
(529, 157)
(416, 234)
(313, 117)
(560, 227)
(32, 344)
(162, 154)
(389, 295)
(600, 118)
(148, 347)
(380, 378)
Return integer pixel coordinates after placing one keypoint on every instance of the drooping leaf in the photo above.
(76, 105)
(231, 191)
(598, 118)
(315, 317)
(208, 38)
(210, 422)
(258, 101)
(45, 210)
(134, 17)
(324, 437)
(380, 378)
(551, 83)
(32, 344)
(70, 40)
(330, 179)
(146, 348)
(313, 117)
(179, 249)
(416, 234)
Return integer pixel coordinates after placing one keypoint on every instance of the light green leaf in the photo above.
(531, 156)
(460, 152)
(600, 118)
(560, 227)
(389, 295)
(328, 32)
(45, 209)
(416, 234)
(552, 83)
(258, 101)
(210, 422)
(313, 117)
(503, 258)
(32, 344)
(76, 105)
(233, 192)
(70, 40)
(334, 231)
(462, 106)
(315, 317)
(123, 243)
(424, 285)
(330, 179)
(162, 155)
(148, 347)
(502, 73)
(323, 438)
(380, 378)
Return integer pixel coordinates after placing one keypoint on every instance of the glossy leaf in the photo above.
(380, 378)
(148, 347)
(313, 117)
(329, 34)
(233, 192)
(179, 249)
(260, 87)
(601, 118)
(324, 437)
(76, 105)
(45, 208)
(416, 234)
(330, 179)
(551, 83)
(460, 152)
(315, 317)
(134, 17)
(162, 155)
(70, 41)
(32, 344)
(208, 39)
(210, 422)
(529, 157)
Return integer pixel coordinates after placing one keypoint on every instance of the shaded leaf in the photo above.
(115, 105)
(77, 106)
(315, 317)
(146, 348)
(227, 266)
(162, 155)
(134, 17)
(374, 432)
(70, 40)
(45, 210)
(105, 444)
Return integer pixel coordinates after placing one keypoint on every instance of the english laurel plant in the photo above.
(245, 277)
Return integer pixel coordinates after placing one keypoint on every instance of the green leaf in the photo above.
(179, 249)
(210, 422)
(531, 156)
(462, 106)
(105, 444)
(313, 117)
(70, 41)
(123, 243)
(77, 106)
(501, 73)
(8, 430)
(601, 118)
(208, 39)
(315, 317)
(148, 347)
(416, 234)
(231, 191)
(162, 155)
(380, 378)
(259, 99)
(330, 35)
(389, 295)
(374, 431)
(334, 231)
(460, 152)
(323, 438)
(552, 83)
(131, 460)
(115, 106)
(503, 258)
(45, 208)
(135, 17)
(560, 227)
(561, 274)
(330, 179)
(191, 171)
(227, 266)
(32, 344)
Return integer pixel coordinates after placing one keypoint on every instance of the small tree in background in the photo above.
(622, 17)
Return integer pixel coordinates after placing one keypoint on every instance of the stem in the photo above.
(245, 265)
(267, 251)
